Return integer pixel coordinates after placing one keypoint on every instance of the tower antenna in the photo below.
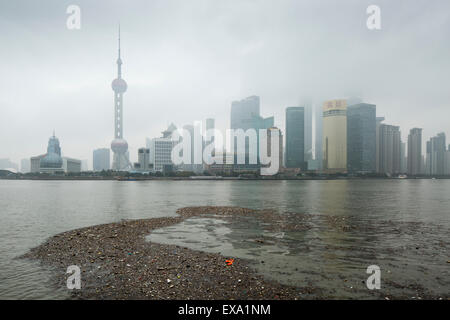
(119, 40)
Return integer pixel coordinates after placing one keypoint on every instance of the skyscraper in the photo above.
(447, 161)
(415, 151)
(436, 155)
(318, 122)
(101, 159)
(361, 138)
(389, 155)
(243, 111)
(334, 140)
(379, 120)
(119, 145)
(308, 130)
(295, 137)
(245, 115)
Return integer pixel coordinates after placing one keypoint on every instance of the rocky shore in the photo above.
(117, 262)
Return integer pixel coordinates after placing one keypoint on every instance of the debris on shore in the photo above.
(117, 262)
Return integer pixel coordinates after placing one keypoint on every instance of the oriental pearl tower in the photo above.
(119, 145)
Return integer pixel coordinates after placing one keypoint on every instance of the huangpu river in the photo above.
(402, 226)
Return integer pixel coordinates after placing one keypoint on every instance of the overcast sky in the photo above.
(186, 60)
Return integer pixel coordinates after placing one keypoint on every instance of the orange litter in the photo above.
(229, 262)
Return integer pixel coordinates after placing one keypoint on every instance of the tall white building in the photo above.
(161, 153)
(161, 150)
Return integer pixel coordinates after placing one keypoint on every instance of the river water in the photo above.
(402, 226)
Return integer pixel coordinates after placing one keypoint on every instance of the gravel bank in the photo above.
(117, 263)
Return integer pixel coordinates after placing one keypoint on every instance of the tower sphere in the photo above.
(119, 85)
(119, 146)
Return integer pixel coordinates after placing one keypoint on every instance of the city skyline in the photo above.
(74, 69)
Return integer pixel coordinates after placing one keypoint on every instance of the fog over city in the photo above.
(186, 61)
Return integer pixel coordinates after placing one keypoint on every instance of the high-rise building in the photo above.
(361, 138)
(447, 161)
(119, 145)
(308, 121)
(415, 158)
(245, 115)
(379, 120)
(435, 158)
(334, 140)
(144, 159)
(389, 156)
(161, 150)
(243, 112)
(161, 153)
(101, 159)
(295, 137)
(318, 122)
